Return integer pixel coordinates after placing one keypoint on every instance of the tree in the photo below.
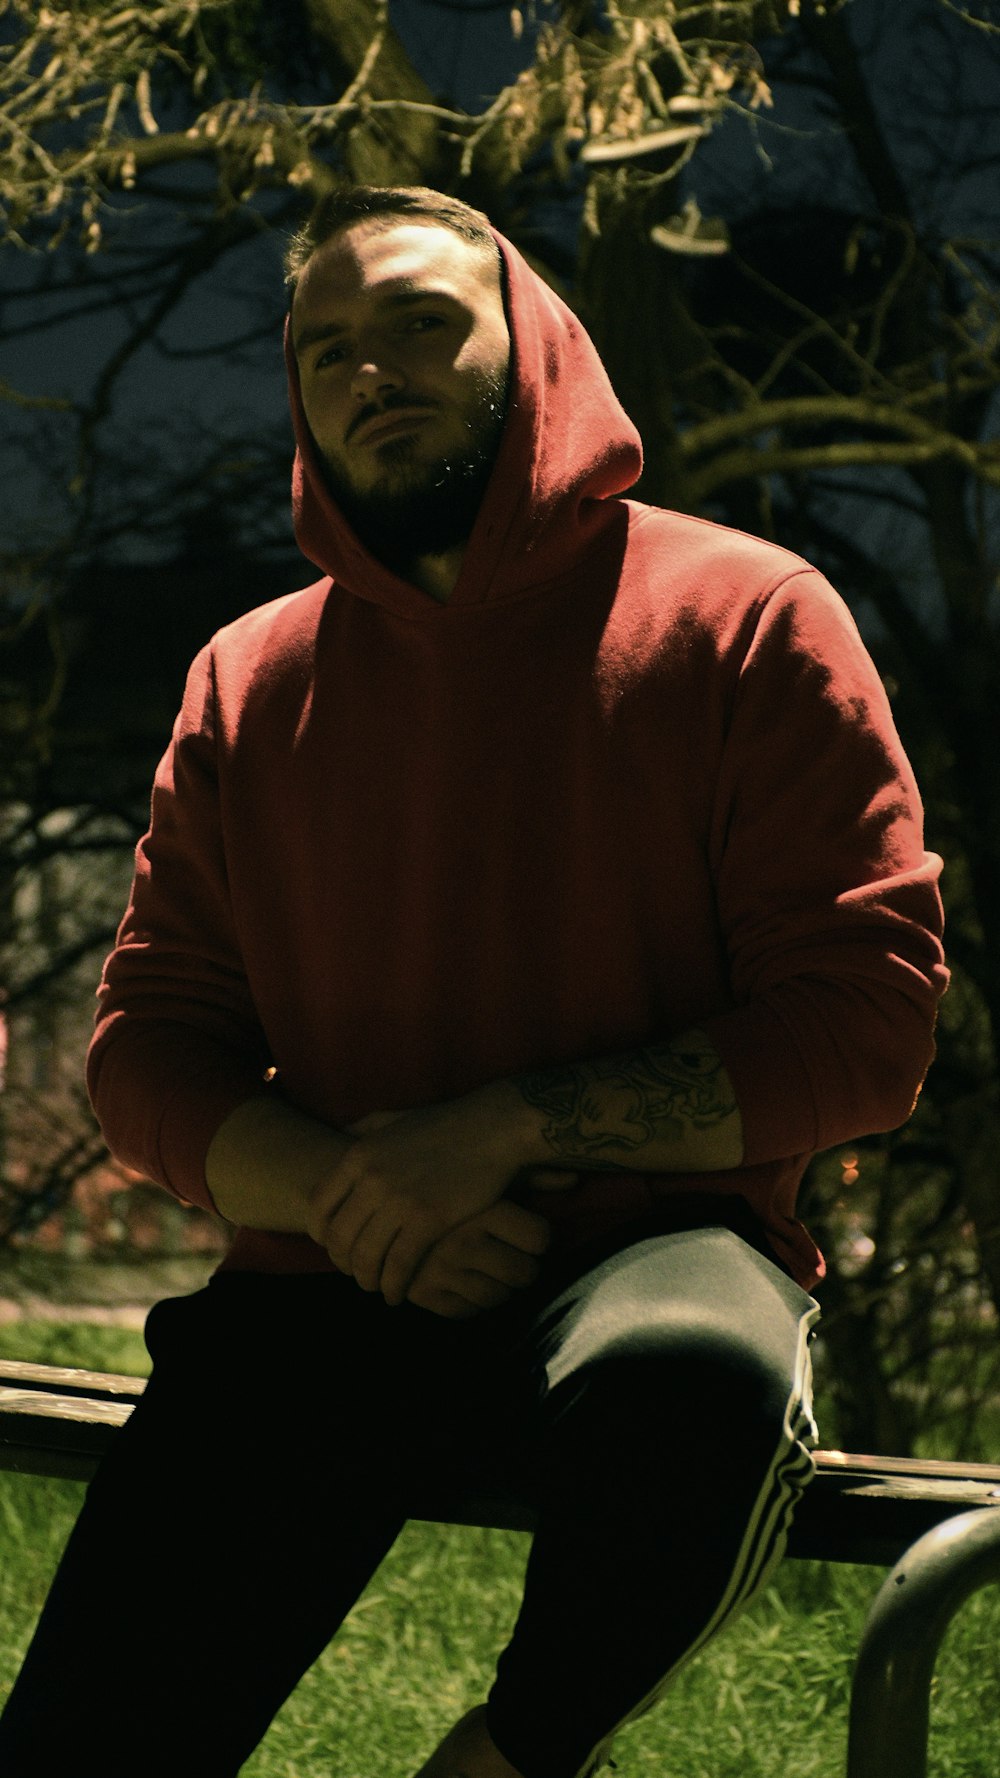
(777, 222)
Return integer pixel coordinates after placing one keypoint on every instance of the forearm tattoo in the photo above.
(604, 1113)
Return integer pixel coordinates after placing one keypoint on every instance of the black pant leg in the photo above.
(158, 1651)
(674, 1441)
(238, 1517)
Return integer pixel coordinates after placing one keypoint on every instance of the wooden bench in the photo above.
(932, 1520)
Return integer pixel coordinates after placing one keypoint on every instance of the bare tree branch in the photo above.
(929, 441)
(788, 460)
(961, 12)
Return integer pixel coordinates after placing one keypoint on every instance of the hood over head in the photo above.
(567, 447)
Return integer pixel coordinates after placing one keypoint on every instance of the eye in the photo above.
(332, 355)
(425, 323)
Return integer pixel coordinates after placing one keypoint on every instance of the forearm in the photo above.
(267, 1160)
(668, 1108)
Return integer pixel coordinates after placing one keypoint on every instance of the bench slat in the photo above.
(28, 1406)
(855, 1463)
(57, 1421)
(49, 1377)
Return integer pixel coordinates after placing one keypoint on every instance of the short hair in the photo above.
(385, 205)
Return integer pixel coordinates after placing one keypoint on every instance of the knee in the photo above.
(693, 1387)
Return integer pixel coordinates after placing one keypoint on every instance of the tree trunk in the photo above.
(405, 147)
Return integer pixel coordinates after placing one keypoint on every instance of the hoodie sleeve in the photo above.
(177, 1045)
(828, 900)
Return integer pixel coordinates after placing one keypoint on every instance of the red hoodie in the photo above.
(638, 773)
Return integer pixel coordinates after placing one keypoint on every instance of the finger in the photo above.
(479, 1290)
(367, 1256)
(345, 1227)
(325, 1205)
(443, 1302)
(516, 1226)
(404, 1257)
(506, 1265)
(550, 1179)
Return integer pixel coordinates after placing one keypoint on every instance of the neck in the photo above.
(437, 575)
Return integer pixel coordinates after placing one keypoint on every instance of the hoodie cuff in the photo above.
(773, 1090)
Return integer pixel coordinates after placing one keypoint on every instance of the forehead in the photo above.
(365, 261)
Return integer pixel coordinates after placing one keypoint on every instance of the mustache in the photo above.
(373, 411)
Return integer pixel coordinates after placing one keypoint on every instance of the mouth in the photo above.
(390, 425)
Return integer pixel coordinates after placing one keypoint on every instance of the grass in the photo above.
(769, 1697)
(89, 1346)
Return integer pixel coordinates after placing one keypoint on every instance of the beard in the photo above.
(417, 508)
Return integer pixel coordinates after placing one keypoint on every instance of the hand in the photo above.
(481, 1263)
(409, 1178)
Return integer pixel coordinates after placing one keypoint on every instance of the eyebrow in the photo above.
(392, 299)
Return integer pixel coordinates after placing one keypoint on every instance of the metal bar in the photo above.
(890, 1694)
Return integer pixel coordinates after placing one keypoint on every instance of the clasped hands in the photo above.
(416, 1207)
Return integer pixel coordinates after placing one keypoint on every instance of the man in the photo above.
(522, 904)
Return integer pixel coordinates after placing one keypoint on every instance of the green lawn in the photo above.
(769, 1698)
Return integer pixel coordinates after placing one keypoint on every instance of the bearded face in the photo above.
(411, 502)
(403, 352)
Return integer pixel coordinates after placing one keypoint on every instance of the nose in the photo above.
(371, 380)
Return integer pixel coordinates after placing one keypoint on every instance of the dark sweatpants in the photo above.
(656, 1408)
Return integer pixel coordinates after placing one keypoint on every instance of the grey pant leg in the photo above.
(674, 1386)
